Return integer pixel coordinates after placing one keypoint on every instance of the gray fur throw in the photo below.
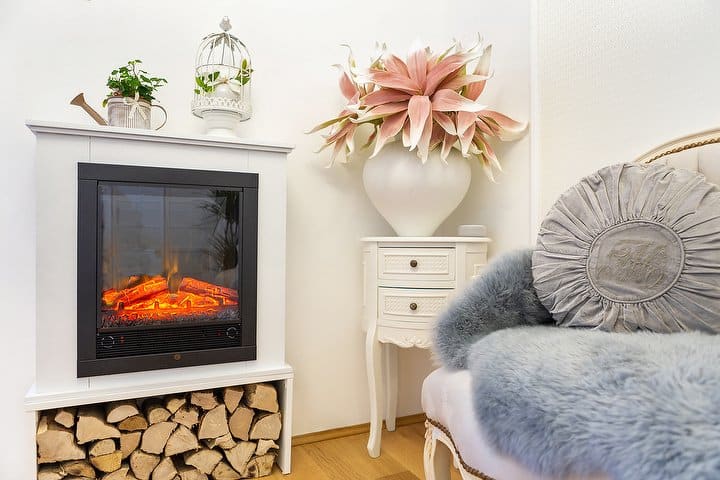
(502, 297)
(639, 406)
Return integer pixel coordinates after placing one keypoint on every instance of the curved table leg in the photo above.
(391, 388)
(373, 359)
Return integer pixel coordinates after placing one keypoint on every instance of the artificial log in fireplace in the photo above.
(166, 268)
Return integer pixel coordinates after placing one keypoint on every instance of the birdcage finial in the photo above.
(223, 74)
(225, 24)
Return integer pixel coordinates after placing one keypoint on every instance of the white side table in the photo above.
(407, 282)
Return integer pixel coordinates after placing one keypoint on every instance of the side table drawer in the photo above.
(408, 307)
(416, 263)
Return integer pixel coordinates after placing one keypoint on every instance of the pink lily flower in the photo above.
(430, 101)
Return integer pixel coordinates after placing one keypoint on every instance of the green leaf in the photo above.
(129, 80)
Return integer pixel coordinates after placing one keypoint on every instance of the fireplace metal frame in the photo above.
(88, 267)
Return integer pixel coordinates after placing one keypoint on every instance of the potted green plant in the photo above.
(132, 91)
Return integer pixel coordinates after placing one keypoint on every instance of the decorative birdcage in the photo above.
(222, 82)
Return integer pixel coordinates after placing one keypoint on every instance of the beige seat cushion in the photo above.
(447, 400)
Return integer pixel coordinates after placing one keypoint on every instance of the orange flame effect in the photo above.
(152, 299)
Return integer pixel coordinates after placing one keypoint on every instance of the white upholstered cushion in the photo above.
(447, 399)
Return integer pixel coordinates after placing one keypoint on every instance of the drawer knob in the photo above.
(413, 306)
(413, 263)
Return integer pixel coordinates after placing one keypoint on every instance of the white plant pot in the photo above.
(413, 197)
(221, 123)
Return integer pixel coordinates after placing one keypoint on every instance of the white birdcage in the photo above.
(222, 82)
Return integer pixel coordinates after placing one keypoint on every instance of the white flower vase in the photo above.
(413, 197)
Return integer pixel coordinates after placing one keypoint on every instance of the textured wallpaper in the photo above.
(616, 78)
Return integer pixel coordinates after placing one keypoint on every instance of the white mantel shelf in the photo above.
(426, 239)
(137, 134)
(161, 382)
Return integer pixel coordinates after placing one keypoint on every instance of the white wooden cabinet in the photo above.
(59, 148)
(407, 282)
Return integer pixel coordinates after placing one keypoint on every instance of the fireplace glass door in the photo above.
(169, 255)
(167, 263)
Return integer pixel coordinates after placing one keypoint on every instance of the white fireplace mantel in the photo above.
(59, 148)
(135, 134)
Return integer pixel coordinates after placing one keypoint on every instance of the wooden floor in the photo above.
(346, 458)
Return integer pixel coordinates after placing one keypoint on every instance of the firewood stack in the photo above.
(226, 434)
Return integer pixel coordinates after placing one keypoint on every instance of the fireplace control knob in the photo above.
(107, 341)
(231, 333)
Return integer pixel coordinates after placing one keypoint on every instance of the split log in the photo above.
(102, 447)
(173, 402)
(204, 460)
(204, 399)
(129, 442)
(131, 476)
(181, 441)
(187, 415)
(156, 436)
(56, 443)
(155, 286)
(264, 445)
(214, 423)
(120, 474)
(232, 397)
(240, 455)
(142, 464)
(119, 411)
(50, 472)
(262, 396)
(259, 466)
(198, 287)
(66, 416)
(155, 411)
(42, 425)
(225, 442)
(79, 468)
(91, 425)
(107, 463)
(240, 422)
(165, 470)
(187, 472)
(223, 471)
(134, 423)
(266, 426)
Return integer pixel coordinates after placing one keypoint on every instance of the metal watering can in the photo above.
(122, 112)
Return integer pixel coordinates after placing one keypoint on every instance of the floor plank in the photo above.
(346, 458)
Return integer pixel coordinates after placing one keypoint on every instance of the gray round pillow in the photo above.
(633, 247)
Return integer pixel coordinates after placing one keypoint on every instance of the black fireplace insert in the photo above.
(167, 268)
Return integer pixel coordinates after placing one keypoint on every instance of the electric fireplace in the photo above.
(167, 268)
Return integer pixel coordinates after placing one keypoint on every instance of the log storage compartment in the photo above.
(222, 434)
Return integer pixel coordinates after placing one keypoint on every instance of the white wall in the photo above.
(617, 78)
(56, 49)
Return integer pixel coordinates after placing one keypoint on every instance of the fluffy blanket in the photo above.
(633, 406)
(502, 297)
